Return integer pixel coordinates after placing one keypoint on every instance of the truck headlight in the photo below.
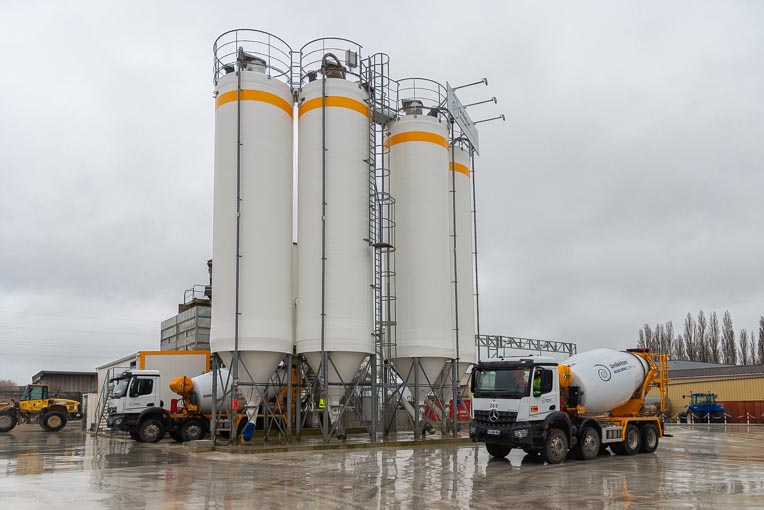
(521, 433)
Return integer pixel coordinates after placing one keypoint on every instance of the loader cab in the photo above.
(34, 392)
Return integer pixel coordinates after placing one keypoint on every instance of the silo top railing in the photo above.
(332, 57)
(274, 52)
(422, 96)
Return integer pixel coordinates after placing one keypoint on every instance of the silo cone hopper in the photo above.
(257, 367)
(428, 374)
(340, 372)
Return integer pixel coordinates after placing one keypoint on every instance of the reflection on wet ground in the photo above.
(700, 467)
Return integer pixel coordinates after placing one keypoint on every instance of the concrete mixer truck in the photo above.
(585, 404)
(135, 406)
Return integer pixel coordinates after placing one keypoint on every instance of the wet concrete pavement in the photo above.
(700, 467)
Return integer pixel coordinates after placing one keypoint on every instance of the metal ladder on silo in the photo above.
(381, 219)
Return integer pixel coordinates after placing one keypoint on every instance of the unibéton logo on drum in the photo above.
(603, 372)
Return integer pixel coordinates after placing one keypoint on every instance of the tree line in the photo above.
(704, 339)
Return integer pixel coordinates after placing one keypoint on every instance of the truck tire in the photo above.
(556, 448)
(192, 430)
(8, 421)
(631, 443)
(497, 450)
(53, 421)
(650, 438)
(150, 430)
(588, 446)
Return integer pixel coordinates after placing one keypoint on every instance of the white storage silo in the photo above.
(265, 303)
(419, 178)
(459, 182)
(333, 121)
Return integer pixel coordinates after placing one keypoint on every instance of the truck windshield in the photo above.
(120, 388)
(510, 382)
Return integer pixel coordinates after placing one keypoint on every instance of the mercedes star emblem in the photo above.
(494, 416)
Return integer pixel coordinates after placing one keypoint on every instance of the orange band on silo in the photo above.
(334, 102)
(255, 95)
(418, 136)
(459, 168)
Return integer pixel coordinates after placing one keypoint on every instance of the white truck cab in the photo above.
(134, 396)
(516, 404)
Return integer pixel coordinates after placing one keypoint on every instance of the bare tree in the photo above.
(712, 340)
(679, 352)
(700, 337)
(689, 337)
(7, 384)
(645, 336)
(657, 339)
(728, 340)
(752, 345)
(761, 340)
(744, 347)
(668, 332)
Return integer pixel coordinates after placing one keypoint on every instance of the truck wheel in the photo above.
(497, 450)
(8, 421)
(150, 431)
(53, 421)
(556, 448)
(632, 442)
(588, 444)
(192, 430)
(650, 438)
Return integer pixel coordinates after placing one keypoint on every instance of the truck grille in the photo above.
(500, 417)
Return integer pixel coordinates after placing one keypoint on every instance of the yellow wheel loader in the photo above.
(35, 406)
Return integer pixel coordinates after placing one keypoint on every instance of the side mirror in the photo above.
(473, 375)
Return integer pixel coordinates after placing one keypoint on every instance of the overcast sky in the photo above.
(624, 187)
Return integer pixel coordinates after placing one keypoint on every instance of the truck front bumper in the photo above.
(122, 422)
(521, 435)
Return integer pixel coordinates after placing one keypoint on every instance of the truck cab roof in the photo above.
(144, 373)
(519, 361)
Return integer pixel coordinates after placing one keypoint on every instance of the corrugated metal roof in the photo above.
(59, 372)
(717, 371)
(681, 364)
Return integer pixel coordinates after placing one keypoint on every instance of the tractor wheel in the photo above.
(8, 421)
(150, 430)
(53, 421)
(650, 438)
(588, 444)
(192, 430)
(497, 450)
(556, 448)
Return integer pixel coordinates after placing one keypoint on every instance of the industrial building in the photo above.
(67, 382)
